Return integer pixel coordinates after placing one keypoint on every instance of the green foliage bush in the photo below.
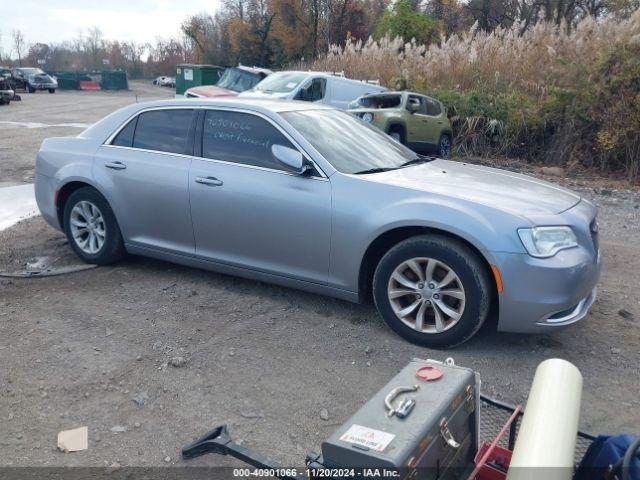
(596, 122)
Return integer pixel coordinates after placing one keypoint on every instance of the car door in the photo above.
(144, 172)
(415, 120)
(435, 120)
(423, 126)
(247, 210)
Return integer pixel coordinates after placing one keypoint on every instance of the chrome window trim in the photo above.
(308, 157)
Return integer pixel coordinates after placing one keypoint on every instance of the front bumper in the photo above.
(543, 294)
(44, 86)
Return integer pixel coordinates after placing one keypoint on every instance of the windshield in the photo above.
(349, 144)
(378, 101)
(281, 82)
(238, 80)
(31, 71)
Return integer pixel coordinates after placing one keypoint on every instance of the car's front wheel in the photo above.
(52, 90)
(432, 290)
(91, 227)
(397, 133)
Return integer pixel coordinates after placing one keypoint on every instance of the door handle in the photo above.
(210, 181)
(115, 165)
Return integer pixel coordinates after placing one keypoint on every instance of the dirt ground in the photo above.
(150, 355)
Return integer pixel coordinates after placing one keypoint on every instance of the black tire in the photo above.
(444, 146)
(52, 90)
(397, 132)
(469, 269)
(113, 248)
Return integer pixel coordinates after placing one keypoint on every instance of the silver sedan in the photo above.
(312, 198)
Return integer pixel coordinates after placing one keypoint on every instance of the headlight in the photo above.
(543, 242)
(367, 117)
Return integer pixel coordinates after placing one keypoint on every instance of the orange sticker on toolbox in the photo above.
(367, 437)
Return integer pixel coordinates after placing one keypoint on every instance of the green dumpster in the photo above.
(69, 80)
(114, 80)
(189, 75)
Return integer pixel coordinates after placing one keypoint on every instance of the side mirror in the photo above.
(291, 158)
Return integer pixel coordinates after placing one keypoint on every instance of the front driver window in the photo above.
(241, 138)
(313, 90)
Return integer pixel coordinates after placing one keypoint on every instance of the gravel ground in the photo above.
(150, 355)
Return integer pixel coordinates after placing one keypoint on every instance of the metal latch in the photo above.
(471, 404)
(446, 434)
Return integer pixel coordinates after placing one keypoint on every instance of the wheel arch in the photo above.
(65, 191)
(386, 240)
(447, 131)
(397, 124)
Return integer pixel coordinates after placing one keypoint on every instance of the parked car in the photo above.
(5, 72)
(317, 87)
(163, 81)
(233, 81)
(33, 79)
(415, 120)
(6, 92)
(310, 197)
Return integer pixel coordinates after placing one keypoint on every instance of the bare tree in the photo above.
(94, 45)
(18, 44)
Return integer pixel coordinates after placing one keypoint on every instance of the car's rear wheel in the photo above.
(91, 227)
(444, 146)
(52, 90)
(432, 290)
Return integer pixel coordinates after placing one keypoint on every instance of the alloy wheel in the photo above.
(445, 147)
(88, 227)
(426, 295)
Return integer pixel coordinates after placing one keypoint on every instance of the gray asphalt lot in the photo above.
(98, 347)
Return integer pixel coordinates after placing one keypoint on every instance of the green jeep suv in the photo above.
(415, 120)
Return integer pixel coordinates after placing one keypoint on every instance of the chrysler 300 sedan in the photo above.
(310, 197)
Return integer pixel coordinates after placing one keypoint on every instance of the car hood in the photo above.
(212, 91)
(41, 78)
(512, 192)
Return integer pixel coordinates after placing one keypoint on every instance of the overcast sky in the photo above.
(53, 21)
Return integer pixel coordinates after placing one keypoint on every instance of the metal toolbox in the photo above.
(437, 439)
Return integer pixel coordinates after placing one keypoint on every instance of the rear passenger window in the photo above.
(125, 137)
(433, 107)
(164, 130)
(241, 138)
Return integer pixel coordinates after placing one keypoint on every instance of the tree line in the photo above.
(280, 33)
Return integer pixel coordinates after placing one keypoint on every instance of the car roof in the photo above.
(337, 77)
(255, 104)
